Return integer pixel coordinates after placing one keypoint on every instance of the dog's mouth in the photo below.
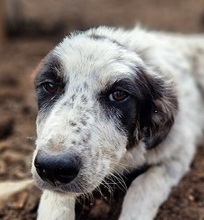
(69, 172)
(80, 185)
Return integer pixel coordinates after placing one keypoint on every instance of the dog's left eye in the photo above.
(51, 88)
(118, 96)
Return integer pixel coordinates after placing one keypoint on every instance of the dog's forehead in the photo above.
(98, 60)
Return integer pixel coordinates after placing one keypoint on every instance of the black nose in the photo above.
(61, 168)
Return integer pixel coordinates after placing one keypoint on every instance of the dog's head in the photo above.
(97, 100)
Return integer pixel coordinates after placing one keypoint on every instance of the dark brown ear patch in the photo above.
(159, 108)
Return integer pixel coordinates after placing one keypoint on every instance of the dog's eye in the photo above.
(118, 96)
(51, 88)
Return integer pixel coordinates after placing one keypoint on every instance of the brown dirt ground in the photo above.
(18, 110)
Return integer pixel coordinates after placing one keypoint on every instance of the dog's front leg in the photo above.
(150, 190)
(56, 206)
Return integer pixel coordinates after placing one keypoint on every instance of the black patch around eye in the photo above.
(126, 111)
(51, 72)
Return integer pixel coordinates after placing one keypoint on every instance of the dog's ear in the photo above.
(158, 108)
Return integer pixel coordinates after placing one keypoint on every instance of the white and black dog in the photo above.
(111, 101)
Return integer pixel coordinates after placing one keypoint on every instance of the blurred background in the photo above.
(28, 31)
(41, 17)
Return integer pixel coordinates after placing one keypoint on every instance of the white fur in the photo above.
(177, 57)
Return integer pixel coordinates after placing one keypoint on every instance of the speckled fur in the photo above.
(91, 60)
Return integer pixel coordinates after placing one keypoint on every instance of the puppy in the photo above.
(111, 101)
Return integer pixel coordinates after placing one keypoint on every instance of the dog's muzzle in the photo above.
(57, 168)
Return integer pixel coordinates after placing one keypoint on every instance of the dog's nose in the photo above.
(61, 168)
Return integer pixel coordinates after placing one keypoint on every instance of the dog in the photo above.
(111, 101)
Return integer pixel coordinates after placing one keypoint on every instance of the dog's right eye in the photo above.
(51, 88)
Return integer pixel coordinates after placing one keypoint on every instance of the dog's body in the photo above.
(111, 101)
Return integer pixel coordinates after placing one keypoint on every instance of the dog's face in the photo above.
(97, 100)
